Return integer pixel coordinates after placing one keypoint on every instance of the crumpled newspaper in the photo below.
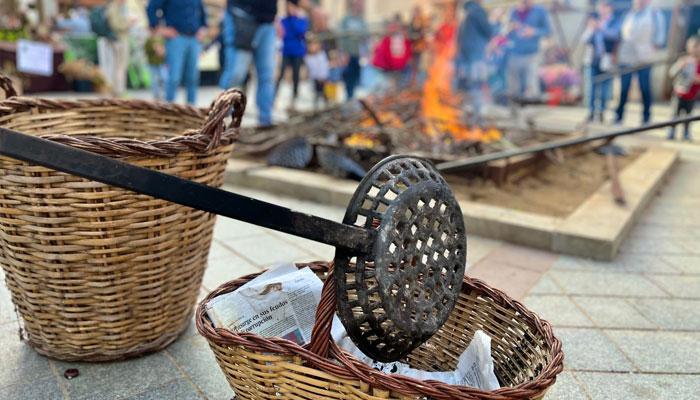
(474, 368)
(282, 302)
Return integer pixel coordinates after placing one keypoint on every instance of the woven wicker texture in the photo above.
(97, 272)
(527, 356)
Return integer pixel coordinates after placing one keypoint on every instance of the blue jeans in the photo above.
(159, 79)
(237, 62)
(471, 76)
(598, 91)
(644, 77)
(182, 57)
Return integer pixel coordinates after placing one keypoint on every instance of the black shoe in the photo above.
(601, 118)
(590, 118)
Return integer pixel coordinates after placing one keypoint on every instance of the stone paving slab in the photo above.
(559, 310)
(614, 312)
(686, 264)
(592, 349)
(20, 362)
(606, 386)
(44, 389)
(546, 285)
(670, 314)
(194, 357)
(660, 351)
(624, 263)
(222, 270)
(567, 388)
(7, 309)
(174, 390)
(606, 284)
(117, 380)
(679, 286)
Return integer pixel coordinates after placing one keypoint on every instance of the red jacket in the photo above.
(384, 59)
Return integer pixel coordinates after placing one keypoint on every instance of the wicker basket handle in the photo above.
(7, 86)
(230, 99)
(321, 333)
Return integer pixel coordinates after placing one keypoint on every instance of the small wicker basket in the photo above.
(96, 272)
(527, 356)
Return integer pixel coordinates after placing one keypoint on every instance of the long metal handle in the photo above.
(467, 163)
(181, 191)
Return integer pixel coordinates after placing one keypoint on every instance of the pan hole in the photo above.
(374, 191)
(370, 282)
(430, 241)
(432, 203)
(367, 204)
(443, 207)
(414, 229)
(381, 208)
(394, 290)
(421, 203)
(443, 237)
(419, 244)
(392, 248)
(424, 259)
(390, 195)
(360, 220)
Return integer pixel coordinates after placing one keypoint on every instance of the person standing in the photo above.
(475, 32)
(184, 30)
(417, 32)
(353, 31)
(318, 66)
(529, 23)
(601, 37)
(294, 28)
(392, 54)
(248, 35)
(113, 52)
(155, 53)
(643, 32)
(686, 85)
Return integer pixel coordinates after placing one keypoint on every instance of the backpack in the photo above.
(100, 24)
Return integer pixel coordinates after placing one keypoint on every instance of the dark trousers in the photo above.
(294, 63)
(319, 93)
(644, 78)
(351, 76)
(686, 106)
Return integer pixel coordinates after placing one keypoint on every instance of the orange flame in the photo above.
(445, 118)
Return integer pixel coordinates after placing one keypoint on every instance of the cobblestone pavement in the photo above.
(630, 328)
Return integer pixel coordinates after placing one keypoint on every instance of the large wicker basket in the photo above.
(527, 357)
(96, 272)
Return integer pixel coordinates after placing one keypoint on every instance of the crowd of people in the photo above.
(621, 43)
(499, 53)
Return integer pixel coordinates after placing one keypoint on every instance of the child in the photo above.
(294, 27)
(155, 52)
(335, 75)
(686, 84)
(392, 53)
(316, 62)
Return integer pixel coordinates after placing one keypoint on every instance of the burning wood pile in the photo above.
(370, 129)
